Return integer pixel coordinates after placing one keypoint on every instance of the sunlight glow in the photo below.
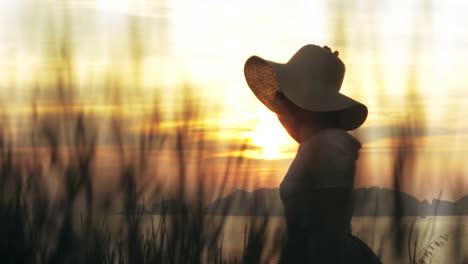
(270, 136)
(119, 6)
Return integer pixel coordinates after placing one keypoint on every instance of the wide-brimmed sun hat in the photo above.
(311, 80)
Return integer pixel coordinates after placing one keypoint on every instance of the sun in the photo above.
(271, 138)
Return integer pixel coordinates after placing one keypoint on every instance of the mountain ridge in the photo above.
(371, 201)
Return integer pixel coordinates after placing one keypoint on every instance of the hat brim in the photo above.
(266, 78)
(262, 78)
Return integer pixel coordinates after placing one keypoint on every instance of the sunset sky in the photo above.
(406, 60)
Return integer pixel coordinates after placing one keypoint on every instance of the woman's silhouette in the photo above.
(317, 189)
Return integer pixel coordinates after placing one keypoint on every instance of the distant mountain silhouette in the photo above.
(259, 202)
(170, 206)
(373, 201)
(461, 205)
(377, 201)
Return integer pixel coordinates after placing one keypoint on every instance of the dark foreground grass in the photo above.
(53, 211)
(53, 208)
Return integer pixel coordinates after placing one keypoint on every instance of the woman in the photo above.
(317, 189)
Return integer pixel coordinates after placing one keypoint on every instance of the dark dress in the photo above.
(317, 197)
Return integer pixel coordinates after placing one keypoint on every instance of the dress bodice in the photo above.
(325, 160)
(317, 192)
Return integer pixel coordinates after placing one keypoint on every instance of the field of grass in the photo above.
(52, 210)
(57, 206)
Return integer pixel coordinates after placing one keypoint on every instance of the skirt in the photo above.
(354, 250)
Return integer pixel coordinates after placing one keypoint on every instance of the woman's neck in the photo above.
(308, 130)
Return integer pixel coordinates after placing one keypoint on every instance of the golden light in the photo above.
(113, 5)
(270, 137)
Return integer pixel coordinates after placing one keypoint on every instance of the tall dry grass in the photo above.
(54, 207)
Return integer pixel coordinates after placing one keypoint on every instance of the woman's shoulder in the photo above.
(334, 159)
(326, 160)
(333, 136)
(332, 141)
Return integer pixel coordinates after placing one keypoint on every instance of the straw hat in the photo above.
(311, 80)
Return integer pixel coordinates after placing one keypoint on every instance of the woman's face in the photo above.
(301, 126)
